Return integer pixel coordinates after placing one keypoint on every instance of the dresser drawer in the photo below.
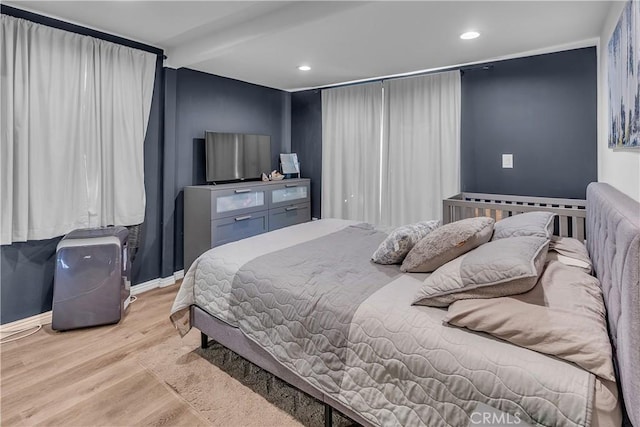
(289, 193)
(238, 201)
(234, 228)
(289, 215)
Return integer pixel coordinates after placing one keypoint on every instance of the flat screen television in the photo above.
(236, 156)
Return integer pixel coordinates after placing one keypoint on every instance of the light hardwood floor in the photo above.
(91, 376)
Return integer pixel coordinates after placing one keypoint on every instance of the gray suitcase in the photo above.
(92, 278)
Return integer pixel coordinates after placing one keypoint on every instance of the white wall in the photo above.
(620, 168)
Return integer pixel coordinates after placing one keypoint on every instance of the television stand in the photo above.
(222, 213)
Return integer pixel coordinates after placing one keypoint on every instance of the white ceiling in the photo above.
(263, 42)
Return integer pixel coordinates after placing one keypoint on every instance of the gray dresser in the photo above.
(219, 214)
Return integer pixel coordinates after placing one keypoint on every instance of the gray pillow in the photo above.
(446, 243)
(525, 224)
(499, 268)
(400, 241)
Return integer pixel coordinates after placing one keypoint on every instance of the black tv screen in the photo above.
(236, 156)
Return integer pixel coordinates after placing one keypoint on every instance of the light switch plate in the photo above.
(507, 161)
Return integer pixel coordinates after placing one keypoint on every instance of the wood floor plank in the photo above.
(10, 365)
(114, 406)
(35, 403)
(138, 323)
(145, 317)
(75, 364)
(150, 308)
(91, 376)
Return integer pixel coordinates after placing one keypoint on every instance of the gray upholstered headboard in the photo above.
(613, 240)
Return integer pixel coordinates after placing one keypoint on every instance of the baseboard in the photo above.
(160, 282)
(145, 286)
(27, 323)
(45, 318)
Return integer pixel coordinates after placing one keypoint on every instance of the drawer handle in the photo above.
(243, 191)
(291, 185)
(242, 218)
(291, 208)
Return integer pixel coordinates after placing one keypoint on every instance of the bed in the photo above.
(306, 304)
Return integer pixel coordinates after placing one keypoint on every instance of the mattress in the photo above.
(310, 296)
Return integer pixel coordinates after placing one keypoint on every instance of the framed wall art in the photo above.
(624, 79)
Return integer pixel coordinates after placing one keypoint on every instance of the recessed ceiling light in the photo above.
(304, 68)
(470, 35)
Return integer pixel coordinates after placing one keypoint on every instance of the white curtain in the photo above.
(74, 114)
(421, 163)
(351, 137)
(391, 152)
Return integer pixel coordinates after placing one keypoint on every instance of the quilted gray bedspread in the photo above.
(299, 302)
(310, 296)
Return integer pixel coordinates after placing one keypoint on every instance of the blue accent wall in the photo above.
(169, 173)
(208, 102)
(306, 140)
(27, 278)
(543, 110)
(147, 265)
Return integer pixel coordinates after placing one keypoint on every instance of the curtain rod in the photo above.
(462, 69)
(78, 29)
